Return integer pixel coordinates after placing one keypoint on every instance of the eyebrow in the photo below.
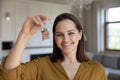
(67, 31)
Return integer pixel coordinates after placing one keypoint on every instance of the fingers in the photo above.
(40, 20)
(44, 18)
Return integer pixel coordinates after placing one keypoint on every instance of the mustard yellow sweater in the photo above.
(44, 69)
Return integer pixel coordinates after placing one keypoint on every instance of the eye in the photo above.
(59, 35)
(71, 33)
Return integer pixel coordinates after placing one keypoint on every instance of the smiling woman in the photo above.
(68, 60)
(67, 37)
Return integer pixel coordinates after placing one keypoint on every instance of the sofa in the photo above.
(111, 62)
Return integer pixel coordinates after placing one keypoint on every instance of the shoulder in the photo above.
(94, 65)
(94, 70)
(41, 60)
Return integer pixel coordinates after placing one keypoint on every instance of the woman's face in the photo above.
(67, 36)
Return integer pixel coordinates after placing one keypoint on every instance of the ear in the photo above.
(80, 35)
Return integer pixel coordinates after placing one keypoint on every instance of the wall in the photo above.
(19, 10)
(92, 27)
(0, 32)
(110, 3)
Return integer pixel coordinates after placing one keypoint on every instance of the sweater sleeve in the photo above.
(25, 71)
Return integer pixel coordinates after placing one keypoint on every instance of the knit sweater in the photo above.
(44, 69)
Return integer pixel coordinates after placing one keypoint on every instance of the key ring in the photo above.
(45, 32)
(44, 28)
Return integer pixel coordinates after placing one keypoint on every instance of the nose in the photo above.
(66, 38)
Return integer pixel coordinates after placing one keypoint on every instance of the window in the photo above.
(112, 29)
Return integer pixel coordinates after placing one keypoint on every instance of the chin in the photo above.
(68, 51)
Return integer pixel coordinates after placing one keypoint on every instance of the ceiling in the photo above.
(69, 1)
(54, 1)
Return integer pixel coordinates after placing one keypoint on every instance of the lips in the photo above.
(67, 45)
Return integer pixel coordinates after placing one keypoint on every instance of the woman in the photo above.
(68, 61)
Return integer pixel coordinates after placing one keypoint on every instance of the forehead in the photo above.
(66, 24)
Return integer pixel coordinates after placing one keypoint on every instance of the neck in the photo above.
(70, 58)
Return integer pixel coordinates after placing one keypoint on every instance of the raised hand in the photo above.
(33, 24)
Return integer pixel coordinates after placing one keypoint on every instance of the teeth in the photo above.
(68, 44)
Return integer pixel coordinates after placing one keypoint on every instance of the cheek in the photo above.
(77, 38)
(57, 42)
(80, 35)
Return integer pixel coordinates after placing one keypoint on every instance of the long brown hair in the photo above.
(80, 55)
